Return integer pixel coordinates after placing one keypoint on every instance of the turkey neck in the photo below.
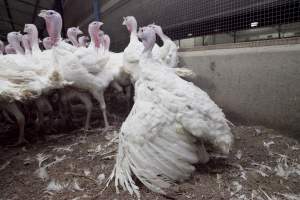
(133, 31)
(26, 45)
(163, 37)
(73, 39)
(17, 46)
(54, 30)
(34, 39)
(148, 46)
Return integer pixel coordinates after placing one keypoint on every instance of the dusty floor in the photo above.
(67, 165)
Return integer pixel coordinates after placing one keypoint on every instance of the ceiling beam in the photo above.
(30, 4)
(9, 15)
(34, 14)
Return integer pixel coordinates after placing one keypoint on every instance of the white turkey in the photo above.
(75, 66)
(168, 52)
(158, 141)
(70, 93)
(133, 51)
(9, 49)
(72, 34)
(83, 41)
(47, 43)
(26, 44)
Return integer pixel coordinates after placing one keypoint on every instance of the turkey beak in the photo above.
(100, 24)
(124, 21)
(79, 32)
(43, 13)
(25, 29)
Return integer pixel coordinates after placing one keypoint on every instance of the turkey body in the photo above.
(158, 140)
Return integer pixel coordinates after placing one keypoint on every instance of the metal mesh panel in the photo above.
(207, 21)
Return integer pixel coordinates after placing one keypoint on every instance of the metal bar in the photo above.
(96, 9)
(34, 14)
(30, 4)
(9, 15)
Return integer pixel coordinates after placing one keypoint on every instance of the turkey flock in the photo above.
(171, 123)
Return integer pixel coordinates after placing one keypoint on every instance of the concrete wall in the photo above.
(258, 85)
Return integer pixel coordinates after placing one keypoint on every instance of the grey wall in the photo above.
(258, 85)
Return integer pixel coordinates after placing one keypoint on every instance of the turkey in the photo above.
(9, 49)
(161, 139)
(42, 58)
(72, 34)
(75, 66)
(26, 44)
(134, 50)
(10, 91)
(83, 40)
(168, 52)
(71, 93)
(47, 43)
(33, 35)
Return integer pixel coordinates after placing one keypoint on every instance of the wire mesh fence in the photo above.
(205, 22)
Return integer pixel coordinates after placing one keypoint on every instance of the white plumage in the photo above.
(158, 139)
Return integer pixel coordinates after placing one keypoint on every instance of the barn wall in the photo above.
(258, 85)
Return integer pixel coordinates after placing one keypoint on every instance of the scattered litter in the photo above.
(86, 172)
(285, 169)
(55, 137)
(62, 149)
(100, 178)
(24, 149)
(41, 172)
(3, 167)
(290, 196)
(239, 154)
(76, 185)
(268, 144)
(28, 161)
(55, 186)
(255, 195)
(258, 131)
(219, 180)
(268, 197)
(41, 158)
(237, 188)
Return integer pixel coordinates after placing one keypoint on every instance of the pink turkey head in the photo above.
(148, 37)
(9, 49)
(47, 43)
(72, 34)
(83, 41)
(14, 39)
(53, 23)
(94, 31)
(131, 23)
